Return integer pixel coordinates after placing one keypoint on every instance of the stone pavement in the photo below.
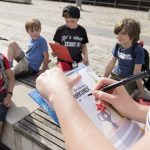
(99, 22)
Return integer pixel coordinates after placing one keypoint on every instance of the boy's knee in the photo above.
(12, 44)
(20, 57)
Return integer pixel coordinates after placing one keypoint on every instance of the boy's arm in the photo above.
(110, 66)
(11, 83)
(137, 69)
(85, 53)
(11, 80)
(45, 61)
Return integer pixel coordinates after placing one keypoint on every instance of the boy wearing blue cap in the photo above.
(73, 36)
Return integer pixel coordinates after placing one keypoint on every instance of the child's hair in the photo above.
(33, 24)
(71, 12)
(131, 26)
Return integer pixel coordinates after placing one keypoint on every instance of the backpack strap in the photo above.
(117, 47)
(4, 75)
(146, 59)
(133, 50)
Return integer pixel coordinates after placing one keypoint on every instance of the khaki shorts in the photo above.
(22, 67)
(130, 87)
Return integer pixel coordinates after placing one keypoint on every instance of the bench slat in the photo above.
(35, 137)
(43, 134)
(47, 122)
(41, 124)
(43, 114)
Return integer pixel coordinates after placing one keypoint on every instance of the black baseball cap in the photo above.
(73, 11)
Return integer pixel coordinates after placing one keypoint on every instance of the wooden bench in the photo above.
(30, 79)
(40, 130)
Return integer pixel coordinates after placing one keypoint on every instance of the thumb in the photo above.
(73, 80)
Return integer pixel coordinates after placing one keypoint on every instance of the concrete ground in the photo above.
(98, 21)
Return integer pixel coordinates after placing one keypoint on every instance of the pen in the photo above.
(124, 81)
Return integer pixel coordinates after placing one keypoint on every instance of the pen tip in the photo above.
(89, 94)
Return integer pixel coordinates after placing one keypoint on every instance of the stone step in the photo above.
(20, 1)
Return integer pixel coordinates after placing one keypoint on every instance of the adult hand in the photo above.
(54, 83)
(118, 97)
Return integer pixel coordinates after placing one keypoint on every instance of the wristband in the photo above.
(11, 93)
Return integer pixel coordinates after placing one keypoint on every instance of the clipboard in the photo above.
(61, 51)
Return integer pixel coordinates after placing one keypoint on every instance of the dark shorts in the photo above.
(130, 87)
(3, 109)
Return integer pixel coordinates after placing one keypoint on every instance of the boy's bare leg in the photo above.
(14, 51)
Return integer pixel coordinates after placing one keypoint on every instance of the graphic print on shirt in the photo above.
(71, 41)
(124, 56)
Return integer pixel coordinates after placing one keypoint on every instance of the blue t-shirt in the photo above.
(127, 59)
(35, 51)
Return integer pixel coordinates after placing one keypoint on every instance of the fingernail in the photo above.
(94, 93)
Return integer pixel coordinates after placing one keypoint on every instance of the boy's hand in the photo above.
(53, 54)
(7, 101)
(40, 71)
(85, 60)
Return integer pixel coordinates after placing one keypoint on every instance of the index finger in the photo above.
(103, 82)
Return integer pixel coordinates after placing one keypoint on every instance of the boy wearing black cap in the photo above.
(73, 36)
